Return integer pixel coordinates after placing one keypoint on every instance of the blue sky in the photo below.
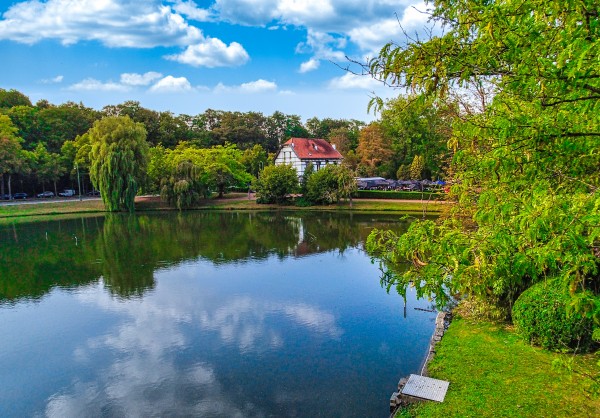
(187, 56)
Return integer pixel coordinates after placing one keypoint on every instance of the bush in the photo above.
(275, 184)
(541, 317)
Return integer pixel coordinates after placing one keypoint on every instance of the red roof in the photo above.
(309, 148)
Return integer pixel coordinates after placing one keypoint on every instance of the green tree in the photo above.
(11, 98)
(47, 166)
(118, 160)
(254, 159)
(416, 167)
(419, 125)
(330, 184)
(184, 187)
(275, 183)
(11, 153)
(527, 184)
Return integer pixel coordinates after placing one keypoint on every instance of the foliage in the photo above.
(188, 173)
(254, 159)
(330, 184)
(275, 184)
(47, 166)
(375, 150)
(542, 318)
(118, 160)
(12, 158)
(526, 179)
(183, 187)
(416, 168)
(10, 98)
(418, 125)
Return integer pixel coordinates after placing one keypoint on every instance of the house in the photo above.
(300, 151)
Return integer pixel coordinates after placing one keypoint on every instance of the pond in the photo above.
(210, 314)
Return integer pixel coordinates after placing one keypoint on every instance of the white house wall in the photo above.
(289, 157)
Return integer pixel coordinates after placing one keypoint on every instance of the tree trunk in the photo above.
(9, 188)
(55, 190)
(2, 187)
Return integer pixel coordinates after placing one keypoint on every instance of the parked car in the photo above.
(67, 193)
(20, 196)
(6, 197)
(45, 194)
(93, 193)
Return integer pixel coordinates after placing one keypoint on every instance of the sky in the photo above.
(186, 56)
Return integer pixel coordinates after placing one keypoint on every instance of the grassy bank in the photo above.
(493, 373)
(235, 201)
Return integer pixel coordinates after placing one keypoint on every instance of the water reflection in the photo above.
(126, 250)
(201, 314)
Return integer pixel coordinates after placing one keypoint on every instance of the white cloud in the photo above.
(310, 65)
(54, 80)
(258, 86)
(134, 79)
(91, 84)
(353, 81)
(212, 52)
(114, 23)
(192, 11)
(371, 37)
(171, 84)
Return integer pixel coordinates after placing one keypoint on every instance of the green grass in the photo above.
(493, 373)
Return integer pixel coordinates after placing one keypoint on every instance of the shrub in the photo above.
(275, 184)
(541, 317)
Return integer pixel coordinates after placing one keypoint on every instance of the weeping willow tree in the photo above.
(118, 160)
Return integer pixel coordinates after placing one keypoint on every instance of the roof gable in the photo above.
(312, 148)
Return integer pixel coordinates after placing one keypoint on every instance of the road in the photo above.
(35, 201)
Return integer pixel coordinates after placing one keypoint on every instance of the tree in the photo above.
(224, 168)
(118, 160)
(11, 98)
(419, 125)
(416, 167)
(374, 149)
(254, 159)
(47, 166)
(184, 187)
(11, 153)
(331, 184)
(527, 184)
(275, 183)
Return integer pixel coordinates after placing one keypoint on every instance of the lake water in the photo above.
(216, 314)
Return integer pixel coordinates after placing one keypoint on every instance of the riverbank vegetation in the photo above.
(11, 214)
(494, 373)
(525, 178)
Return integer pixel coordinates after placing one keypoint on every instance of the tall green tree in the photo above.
(526, 178)
(12, 159)
(47, 166)
(118, 156)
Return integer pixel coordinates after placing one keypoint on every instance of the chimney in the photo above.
(333, 145)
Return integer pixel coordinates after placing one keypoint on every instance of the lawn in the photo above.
(493, 373)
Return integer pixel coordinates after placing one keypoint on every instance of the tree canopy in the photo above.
(118, 160)
(525, 166)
